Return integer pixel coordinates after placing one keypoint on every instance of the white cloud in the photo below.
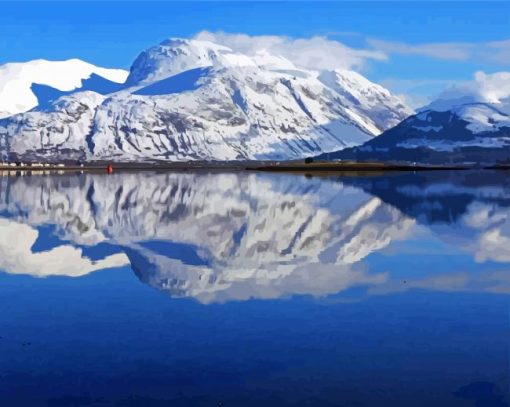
(489, 88)
(497, 52)
(312, 53)
(416, 92)
(453, 51)
(492, 87)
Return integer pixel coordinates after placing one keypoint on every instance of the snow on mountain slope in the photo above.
(16, 80)
(244, 113)
(483, 118)
(465, 133)
(196, 100)
(61, 132)
(365, 98)
(171, 57)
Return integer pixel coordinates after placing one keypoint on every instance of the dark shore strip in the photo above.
(347, 167)
(267, 166)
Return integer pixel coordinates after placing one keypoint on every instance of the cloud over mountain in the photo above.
(317, 52)
(490, 88)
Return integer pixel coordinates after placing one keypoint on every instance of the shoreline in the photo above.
(273, 166)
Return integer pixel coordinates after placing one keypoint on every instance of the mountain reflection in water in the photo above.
(259, 289)
(218, 237)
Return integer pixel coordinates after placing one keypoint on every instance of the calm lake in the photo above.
(255, 289)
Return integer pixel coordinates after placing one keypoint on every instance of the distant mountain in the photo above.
(442, 134)
(196, 100)
(26, 85)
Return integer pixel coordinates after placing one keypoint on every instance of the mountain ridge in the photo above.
(224, 106)
(466, 133)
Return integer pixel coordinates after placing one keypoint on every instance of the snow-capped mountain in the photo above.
(196, 100)
(442, 133)
(19, 81)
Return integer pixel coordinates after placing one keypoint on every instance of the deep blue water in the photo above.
(246, 289)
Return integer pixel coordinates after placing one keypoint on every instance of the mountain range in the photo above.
(188, 100)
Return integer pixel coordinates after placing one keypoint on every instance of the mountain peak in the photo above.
(173, 56)
(196, 100)
(474, 132)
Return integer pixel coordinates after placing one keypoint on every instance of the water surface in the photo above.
(248, 289)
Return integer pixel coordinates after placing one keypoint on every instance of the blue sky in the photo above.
(426, 45)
